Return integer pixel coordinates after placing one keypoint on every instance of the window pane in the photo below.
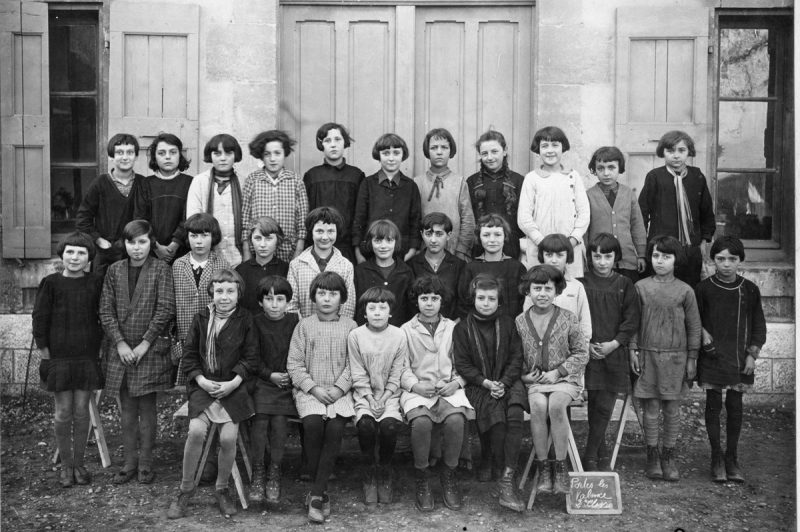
(745, 135)
(73, 58)
(747, 59)
(746, 205)
(67, 187)
(73, 130)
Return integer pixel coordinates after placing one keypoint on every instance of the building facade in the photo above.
(619, 72)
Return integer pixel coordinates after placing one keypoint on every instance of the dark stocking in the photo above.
(713, 409)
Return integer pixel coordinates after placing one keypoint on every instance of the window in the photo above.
(74, 110)
(753, 162)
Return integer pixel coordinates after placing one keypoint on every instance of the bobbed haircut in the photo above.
(550, 134)
(437, 218)
(326, 215)
(429, 284)
(607, 154)
(138, 228)
(274, 284)
(542, 274)
(388, 141)
(666, 244)
(258, 145)
(439, 133)
(377, 294)
(77, 239)
(266, 225)
(556, 243)
(330, 281)
(382, 229)
(202, 222)
(228, 142)
(731, 243)
(489, 136)
(122, 138)
(172, 140)
(226, 275)
(493, 220)
(670, 139)
(605, 243)
(324, 129)
(486, 281)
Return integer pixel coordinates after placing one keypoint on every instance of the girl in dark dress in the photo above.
(488, 355)
(273, 388)
(66, 327)
(614, 307)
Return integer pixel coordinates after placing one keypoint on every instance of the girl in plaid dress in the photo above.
(320, 373)
(275, 192)
(136, 309)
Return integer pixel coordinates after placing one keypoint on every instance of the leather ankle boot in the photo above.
(718, 466)
(732, 469)
(668, 466)
(560, 478)
(545, 483)
(272, 488)
(256, 493)
(424, 496)
(370, 484)
(450, 493)
(509, 498)
(385, 487)
(653, 463)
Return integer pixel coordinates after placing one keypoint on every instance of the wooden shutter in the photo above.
(153, 77)
(25, 127)
(662, 83)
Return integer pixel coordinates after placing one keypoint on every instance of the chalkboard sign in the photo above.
(594, 493)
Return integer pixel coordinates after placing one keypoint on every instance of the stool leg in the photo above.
(623, 418)
(237, 481)
(525, 473)
(245, 457)
(574, 454)
(532, 498)
(209, 442)
(97, 425)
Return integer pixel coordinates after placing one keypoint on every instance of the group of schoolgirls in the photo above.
(458, 331)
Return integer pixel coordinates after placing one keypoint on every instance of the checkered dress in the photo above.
(302, 271)
(318, 357)
(285, 201)
(146, 316)
(190, 298)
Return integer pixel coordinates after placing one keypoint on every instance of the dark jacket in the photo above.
(449, 272)
(104, 211)
(237, 352)
(658, 202)
(334, 186)
(162, 202)
(368, 274)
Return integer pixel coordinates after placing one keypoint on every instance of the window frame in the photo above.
(777, 248)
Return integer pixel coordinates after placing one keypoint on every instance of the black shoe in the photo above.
(718, 473)
(66, 478)
(225, 502)
(450, 494)
(506, 492)
(653, 469)
(272, 488)
(256, 493)
(424, 496)
(604, 463)
(385, 487)
(82, 477)
(668, 467)
(124, 476)
(179, 506)
(560, 477)
(545, 483)
(147, 476)
(590, 465)
(370, 484)
(732, 469)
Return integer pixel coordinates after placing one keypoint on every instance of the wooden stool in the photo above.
(96, 425)
(572, 452)
(623, 417)
(183, 411)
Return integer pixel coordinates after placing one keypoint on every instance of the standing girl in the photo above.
(161, 199)
(136, 309)
(320, 373)
(553, 199)
(273, 391)
(276, 192)
(664, 351)
(66, 327)
(556, 353)
(221, 353)
(191, 275)
(384, 269)
(377, 354)
(496, 190)
(447, 193)
(614, 307)
(734, 331)
(217, 192)
(488, 355)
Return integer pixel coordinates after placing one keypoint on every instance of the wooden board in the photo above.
(594, 493)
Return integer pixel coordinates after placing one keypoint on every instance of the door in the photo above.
(154, 74)
(405, 70)
(662, 73)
